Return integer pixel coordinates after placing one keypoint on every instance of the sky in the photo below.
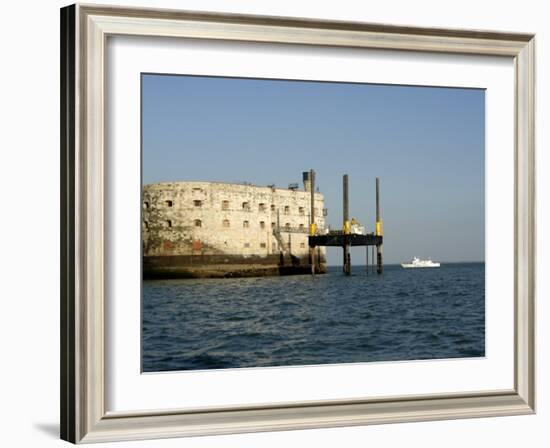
(426, 144)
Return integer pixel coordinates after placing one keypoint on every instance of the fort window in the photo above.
(246, 244)
(225, 205)
(169, 203)
(197, 203)
(287, 209)
(226, 222)
(262, 245)
(146, 204)
(169, 223)
(272, 225)
(246, 205)
(302, 245)
(261, 207)
(301, 226)
(246, 224)
(301, 210)
(287, 225)
(198, 223)
(146, 225)
(262, 224)
(272, 207)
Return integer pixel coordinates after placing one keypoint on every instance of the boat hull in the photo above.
(411, 266)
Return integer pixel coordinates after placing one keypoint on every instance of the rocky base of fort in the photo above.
(225, 266)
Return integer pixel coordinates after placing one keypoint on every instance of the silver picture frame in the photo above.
(84, 30)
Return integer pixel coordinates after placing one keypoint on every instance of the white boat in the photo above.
(418, 263)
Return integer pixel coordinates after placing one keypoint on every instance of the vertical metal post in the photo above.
(377, 199)
(312, 219)
(347, 260)
(346, 199)
(367, 262)
(372, 259)
(379, 264)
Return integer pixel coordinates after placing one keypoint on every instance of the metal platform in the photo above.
(339, 239)
(345, 238)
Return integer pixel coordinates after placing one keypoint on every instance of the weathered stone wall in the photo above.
(209, 218)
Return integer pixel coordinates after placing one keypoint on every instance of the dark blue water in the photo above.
(405, 314)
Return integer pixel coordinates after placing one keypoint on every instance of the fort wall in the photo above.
(208, 222)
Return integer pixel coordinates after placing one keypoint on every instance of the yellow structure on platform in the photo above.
(379, 231)
(347, 228)
(312, 229)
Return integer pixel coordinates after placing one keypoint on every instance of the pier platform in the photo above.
(339, 239)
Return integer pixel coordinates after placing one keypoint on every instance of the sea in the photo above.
(403, 314)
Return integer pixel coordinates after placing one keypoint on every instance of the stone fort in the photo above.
(214, 229)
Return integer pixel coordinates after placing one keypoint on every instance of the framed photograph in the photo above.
(278, 223)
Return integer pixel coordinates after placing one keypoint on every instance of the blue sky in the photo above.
(427, 145)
